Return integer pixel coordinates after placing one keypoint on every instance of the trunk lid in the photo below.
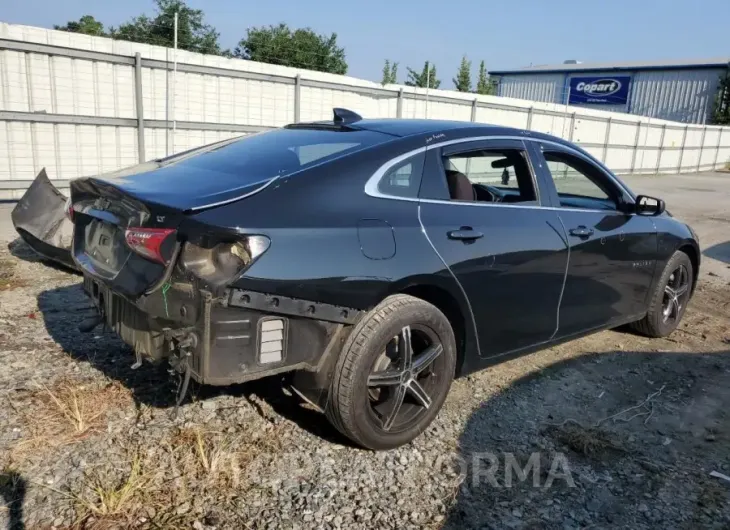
(184, 188)
(102, 215)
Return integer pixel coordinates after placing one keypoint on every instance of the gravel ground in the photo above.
(614, 430)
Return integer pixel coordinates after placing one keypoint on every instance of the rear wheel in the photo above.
(669, 299)
(393, 373)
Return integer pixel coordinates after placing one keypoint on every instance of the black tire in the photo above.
(352, 407)
(657, 322)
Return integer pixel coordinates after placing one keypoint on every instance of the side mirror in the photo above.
(650, 206)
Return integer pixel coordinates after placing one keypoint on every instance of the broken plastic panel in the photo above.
(40, 219)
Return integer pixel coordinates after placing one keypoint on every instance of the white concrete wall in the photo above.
(58, 86)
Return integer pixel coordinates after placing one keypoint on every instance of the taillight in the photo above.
(222, 263)
(147, 242)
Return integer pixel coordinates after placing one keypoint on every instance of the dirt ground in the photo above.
(613, 430)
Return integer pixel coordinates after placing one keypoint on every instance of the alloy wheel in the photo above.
(676, 294)
(404, 378)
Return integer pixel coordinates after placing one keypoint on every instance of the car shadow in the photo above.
(64, 308)
(286, 405)
(12, 494)
(720, 252)
(572, 445)
(21, 250)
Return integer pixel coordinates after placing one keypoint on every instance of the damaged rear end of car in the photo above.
(165, 278)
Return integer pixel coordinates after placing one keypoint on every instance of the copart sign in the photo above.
(604, 90)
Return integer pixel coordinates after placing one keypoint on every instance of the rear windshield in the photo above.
(275, 153)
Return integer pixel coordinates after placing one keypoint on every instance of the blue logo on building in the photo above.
(600, 90)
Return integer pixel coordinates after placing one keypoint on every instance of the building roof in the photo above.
(691, 64)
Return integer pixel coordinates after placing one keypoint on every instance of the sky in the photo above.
(506, 34)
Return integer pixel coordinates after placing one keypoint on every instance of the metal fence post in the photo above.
(572, 127)
(636, 147)
(661, 148)
(474, 104)
(702, 148)
(399, 104)
(606, 139)
(140, 108)
(681, 152)
(297, 98)
(717, 151)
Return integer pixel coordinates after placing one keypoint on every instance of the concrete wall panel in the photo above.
(83, 107)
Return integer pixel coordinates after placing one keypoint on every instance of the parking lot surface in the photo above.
(613, 430)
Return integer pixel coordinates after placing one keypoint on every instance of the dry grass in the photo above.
(68, 412)
(135, 494)
(207, 464)
(207, 451)
(105, 498)
(73, 405)
(7, 270)
(150, 484)
(8, 278)
(219, 459)
(114, 498)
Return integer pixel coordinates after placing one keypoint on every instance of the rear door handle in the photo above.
(465, 233)
(581, 231)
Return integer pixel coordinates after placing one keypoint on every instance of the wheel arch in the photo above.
(690, 248)
(453, 307)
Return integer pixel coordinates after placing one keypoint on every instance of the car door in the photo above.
(508, 254)
(612, 250)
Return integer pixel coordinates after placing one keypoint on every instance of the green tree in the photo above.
(484, 84)
(193, 33)
(721, 113)
(462, 81)
(301, 48)
(390, 73)
(87, 25)
(425, 79)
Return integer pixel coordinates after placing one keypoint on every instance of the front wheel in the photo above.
(393, 373)
(669, 299)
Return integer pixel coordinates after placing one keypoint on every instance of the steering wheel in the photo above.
(497, 194)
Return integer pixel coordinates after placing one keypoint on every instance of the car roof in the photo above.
(410, 127)
(404, 127)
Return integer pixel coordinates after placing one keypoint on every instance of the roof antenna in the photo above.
(344, 116)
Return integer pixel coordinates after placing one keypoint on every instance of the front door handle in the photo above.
(581, 231)
(465, 233)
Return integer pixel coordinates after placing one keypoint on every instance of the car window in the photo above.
(403, 179)
(311, 153)
(256, 157)
(489, 175)
(579, 184)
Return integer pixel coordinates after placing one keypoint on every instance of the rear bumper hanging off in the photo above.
(40, 219)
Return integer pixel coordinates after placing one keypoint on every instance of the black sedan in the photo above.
(375, 260)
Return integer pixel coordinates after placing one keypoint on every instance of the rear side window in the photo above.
(403, 179)
(279, 152)
(308, 154)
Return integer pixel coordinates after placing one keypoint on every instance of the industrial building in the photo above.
(678, 91)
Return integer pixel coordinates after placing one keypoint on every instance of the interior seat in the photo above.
(460, 188)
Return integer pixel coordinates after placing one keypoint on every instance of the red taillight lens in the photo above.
(147, 242)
